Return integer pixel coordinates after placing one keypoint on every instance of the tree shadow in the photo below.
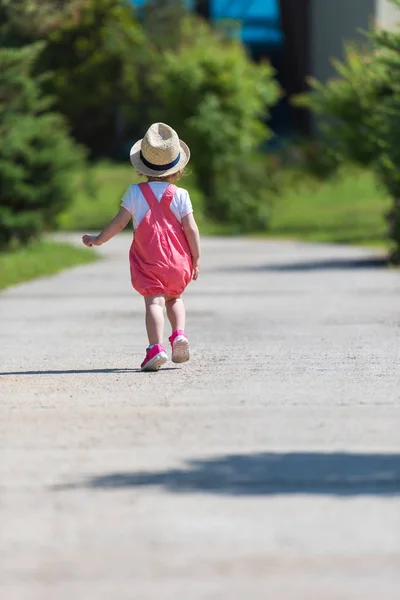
(334, 264)
(84, 371)
(269, 473)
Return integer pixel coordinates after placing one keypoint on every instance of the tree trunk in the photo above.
(295, 22)
(203, 8)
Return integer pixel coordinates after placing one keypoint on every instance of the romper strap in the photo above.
(168, 195)
(148, 194)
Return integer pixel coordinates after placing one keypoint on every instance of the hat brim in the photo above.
(142, 168)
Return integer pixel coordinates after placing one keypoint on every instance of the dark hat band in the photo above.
(154, 167)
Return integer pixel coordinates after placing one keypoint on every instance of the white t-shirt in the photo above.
(134, 201)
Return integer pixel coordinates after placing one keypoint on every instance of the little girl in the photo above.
(165, 253)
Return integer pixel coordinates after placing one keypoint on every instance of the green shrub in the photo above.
(218, 100)
(36, 154)
(346, 107)
(90, 51)
(388, 111)
(359, 114)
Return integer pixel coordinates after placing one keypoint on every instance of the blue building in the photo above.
(258, 20)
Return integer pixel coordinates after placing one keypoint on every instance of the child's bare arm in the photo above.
(193, 237)
(117, 224)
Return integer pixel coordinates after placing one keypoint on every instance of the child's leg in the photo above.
(176, 312)
(155, 318)
(177, 317)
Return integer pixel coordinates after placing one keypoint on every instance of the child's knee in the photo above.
(172, 298)
(154, 300)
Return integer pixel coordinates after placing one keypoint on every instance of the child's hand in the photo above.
(196, 269)
(90, 240)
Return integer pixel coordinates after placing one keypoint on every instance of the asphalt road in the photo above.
(266, 468)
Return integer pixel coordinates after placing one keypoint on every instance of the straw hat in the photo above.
(160, 152)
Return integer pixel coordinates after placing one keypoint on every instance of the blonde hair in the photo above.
(168, 178)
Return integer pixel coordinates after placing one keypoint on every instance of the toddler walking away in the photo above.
(165, 252)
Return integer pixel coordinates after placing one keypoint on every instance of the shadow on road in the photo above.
(317, 265)
(340, 474)
(81, 371)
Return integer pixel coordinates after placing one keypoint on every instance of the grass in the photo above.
(350, 208)
(347, 209)
(38, 260)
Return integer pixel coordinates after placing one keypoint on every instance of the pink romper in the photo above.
(160, 257)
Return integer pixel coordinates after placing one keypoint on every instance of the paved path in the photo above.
(267, 468)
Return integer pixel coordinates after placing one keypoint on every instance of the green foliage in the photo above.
(162, 21)
(346, 106)
(94, 66)
(90, 50)
(30, 19)
(388, 111)
(359, 113)
(217, 99)
(36, 154)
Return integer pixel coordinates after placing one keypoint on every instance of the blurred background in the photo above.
(291, 109)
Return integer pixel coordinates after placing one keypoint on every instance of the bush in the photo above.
(346, 107)
(91, 52)
(36, 154)
(218, 100)
(359, 112)
(388, 116)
